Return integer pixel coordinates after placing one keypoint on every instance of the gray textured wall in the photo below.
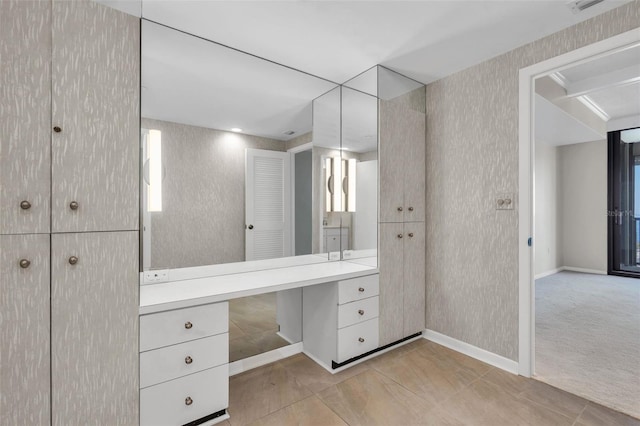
(472, 153)
(202, 218)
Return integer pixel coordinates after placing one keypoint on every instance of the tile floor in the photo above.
(421, 383)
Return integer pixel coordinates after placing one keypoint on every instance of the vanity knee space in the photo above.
(184, 365)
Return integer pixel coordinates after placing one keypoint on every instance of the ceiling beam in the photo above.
(611, 79)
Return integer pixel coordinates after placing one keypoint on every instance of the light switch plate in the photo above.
(504, 201)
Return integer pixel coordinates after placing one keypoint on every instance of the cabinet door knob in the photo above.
(360, 339)
(361, 289)
(73, 260)
(250, 226)
(410, 209)
(25, 205)
(399, 235)
(73, 205)
(361, 312)
(188, 360)
(410, 234)
(188, 325)
(188, 401)
(399, 209)
(57, 129)
(24, 263)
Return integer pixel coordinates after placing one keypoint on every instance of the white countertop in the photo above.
(200, 291)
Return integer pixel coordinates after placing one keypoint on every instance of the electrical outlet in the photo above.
(504, 201)
(156, 276)
(334, 255)
(347, 254)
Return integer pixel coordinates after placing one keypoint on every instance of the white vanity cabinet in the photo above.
(184, 366)
(340, 320)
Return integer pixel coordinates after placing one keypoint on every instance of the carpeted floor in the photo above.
(588, 337)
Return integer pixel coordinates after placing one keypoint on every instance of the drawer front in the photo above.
(182, 325)
(349, 339)
(358, 311)
(175, 361)
(166, 403)
(358, 288)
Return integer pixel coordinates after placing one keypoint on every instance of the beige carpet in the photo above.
(588, 337)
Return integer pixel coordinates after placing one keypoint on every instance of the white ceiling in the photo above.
(336, 40)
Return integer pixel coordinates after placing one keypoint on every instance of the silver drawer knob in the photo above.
(188, 360)
(410, 209)
(360, 339)
(361, 289)
(399, 209)
(188, 325)
(399, 235)
(73, 205)
(361, 312)
(73, 260)
(188, 401)
(410, 234)
(57, 129)
(24, 263)
(25, 205)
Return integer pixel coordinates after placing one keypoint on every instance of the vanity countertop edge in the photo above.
(201, 291)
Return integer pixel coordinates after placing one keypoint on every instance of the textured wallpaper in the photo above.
(472, 154)
(202, 218)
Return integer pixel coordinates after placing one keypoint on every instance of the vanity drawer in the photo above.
(175, 361)
(358, 288)
(185, 399)
(181, 325)
(358, 311)
(357, 339)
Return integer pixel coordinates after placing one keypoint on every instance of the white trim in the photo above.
(361, 360)
(551, 272)
(584, 270)
(242, 365)
(623, 123)
(485, 356)
(526, 308)
(304, 147)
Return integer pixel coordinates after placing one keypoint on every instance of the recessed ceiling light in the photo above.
(236, 129)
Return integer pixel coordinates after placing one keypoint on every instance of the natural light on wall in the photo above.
(154, 150)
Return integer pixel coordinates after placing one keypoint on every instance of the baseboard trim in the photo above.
(472, 351)
(571, 269)
(264, 358)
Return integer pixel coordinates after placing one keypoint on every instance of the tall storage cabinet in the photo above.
(69, 201)
(401, 228)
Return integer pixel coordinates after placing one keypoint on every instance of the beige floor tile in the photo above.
(427, 378)
(308, 412)
(313, 376)
(371, 398)
(396, 352)
(483, 403)
(596, 415)
(443, 354)
(262, 391)
(235, 332)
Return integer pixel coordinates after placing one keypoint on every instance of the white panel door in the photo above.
(268, 204)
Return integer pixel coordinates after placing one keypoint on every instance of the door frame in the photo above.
(526, 153)
(292, 159)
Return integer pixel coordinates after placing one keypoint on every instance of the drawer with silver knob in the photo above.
(357, 339)
(185, 399)
(181, 325)
(358, 311)
(358, 288)
(171, 362)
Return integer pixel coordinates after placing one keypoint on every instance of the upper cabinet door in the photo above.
(95, 118)
(414, 166)
(391, 162)
(25, 102)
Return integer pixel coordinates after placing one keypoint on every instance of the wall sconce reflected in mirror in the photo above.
(341, 184)
(153, 172)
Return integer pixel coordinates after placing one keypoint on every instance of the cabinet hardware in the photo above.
(399, 235)
(73, 260)
(73, 205)
(361, 312)
(399, 209)
(250, 226)
(188, 401)
(360, 339)
(410, 209)
(188, 325)
(188, 360)
(57, 129)
(25, 205)
(24, 263)
(361, 289)
(410, 234)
